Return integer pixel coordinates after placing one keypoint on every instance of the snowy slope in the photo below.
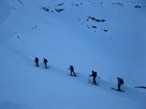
(106, 36)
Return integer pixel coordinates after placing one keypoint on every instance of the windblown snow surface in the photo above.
(107, 36)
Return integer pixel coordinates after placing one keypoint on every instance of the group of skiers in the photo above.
(44, 62)
(72, 73)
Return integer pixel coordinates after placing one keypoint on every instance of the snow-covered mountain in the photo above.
(107, 36)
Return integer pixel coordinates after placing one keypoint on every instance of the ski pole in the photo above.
(89, 79)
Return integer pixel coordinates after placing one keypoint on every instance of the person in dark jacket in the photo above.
(37, 61)
(120, 82)
(72, 73)
(94, 74)
(45, 62)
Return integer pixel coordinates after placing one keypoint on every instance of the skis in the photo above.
(117, 90)
(46, 67)
(37, 65)
(141, 87)
(91, 82)
(72, 75)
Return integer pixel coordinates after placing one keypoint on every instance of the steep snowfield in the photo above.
(106, 36)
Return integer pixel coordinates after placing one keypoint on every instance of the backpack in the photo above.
(45, 61)
(36, 60)
(121, 81)
(71, 67)
(94, 74)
